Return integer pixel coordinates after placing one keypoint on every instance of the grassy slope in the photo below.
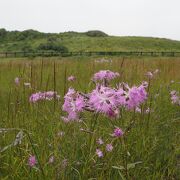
(82, 42)
(120, 44)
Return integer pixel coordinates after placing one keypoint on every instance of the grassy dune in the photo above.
(113, 43)
(74, 41)
(149, 151)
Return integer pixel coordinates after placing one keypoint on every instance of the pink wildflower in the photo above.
(145, 84)
(138, 110)
(118, 132)
(173, 92)
(120, 97)
(149, 75)
(99, 153)
(35, 97)
(51, 159)
(105, 75)
(64, 163)
(17, 81)
(71, 78)
(32, 161)
(49, 95)
(65, 119)
(73, 104)
(175, 98)
(130, 97)
(103, 100)
(100, 141)
(135, 96)
(109, 147)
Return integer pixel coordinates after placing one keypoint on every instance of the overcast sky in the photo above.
(158, 18)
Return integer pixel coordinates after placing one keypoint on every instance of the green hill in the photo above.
(31, 40)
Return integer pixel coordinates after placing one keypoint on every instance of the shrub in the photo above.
(3, 33)
(27, 48)
(28, 34)
(50, 46)
(96, 34)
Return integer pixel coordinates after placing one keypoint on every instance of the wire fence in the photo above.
(102, 53)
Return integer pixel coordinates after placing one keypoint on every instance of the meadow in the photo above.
(37, 142)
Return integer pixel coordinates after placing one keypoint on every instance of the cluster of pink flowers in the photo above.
(49, 95)
(73, 105)
(100, 154)
(118, 132)
(32, 162)
(108, 148)
(105, 75)
(104, 99)
(108, 101)
(175, 98)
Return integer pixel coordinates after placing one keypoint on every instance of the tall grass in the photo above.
(149, 151)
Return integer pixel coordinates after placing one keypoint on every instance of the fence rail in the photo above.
(102, 53)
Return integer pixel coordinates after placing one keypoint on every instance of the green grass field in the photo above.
(150, 150)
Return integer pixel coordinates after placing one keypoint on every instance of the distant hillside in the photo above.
(31, 40)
